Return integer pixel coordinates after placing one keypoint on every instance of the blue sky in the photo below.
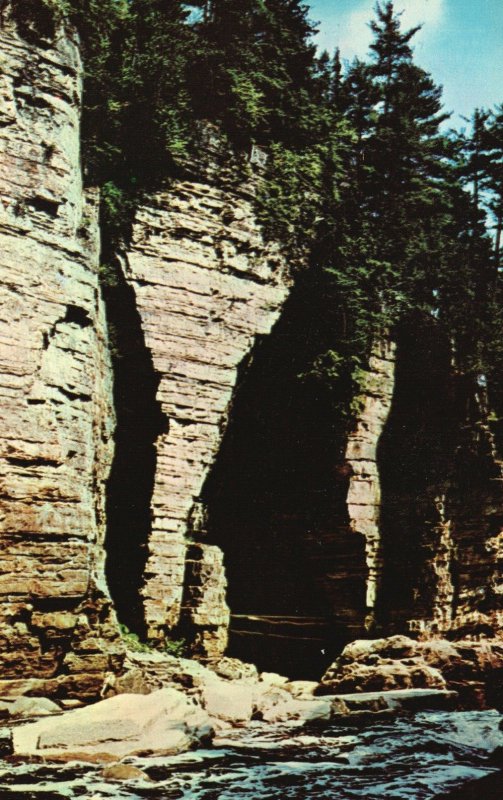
(461, 44)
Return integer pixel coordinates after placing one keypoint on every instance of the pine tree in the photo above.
(256, 68)
(492, 166)
(156, 104)
(405, 155)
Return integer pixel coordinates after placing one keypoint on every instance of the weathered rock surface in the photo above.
(29, 707)
(163, 722)
(364, 493)
(55, 383)
(124, 772)
(206, 284)
(473, 669)
(232, 693)
(229, 701)
(392, 702)
(441, 496)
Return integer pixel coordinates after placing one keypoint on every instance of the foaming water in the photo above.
(410, 758)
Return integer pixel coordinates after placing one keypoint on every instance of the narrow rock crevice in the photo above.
(415, 458)
(139, 423)
(276, 503)
(44, 206)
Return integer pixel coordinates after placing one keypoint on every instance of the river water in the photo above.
(409, 758)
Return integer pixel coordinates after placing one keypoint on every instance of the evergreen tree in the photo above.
(406, 154)
(400, 236)
(255, 68)
(360, 180)
(492, 166)
(155, 100)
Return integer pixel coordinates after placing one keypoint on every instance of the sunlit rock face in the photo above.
(56, 413)
(206, 284)
(364, 492)
(394, 521)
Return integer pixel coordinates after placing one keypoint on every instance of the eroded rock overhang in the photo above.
(206, 285)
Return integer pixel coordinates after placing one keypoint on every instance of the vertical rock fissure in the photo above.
(139, 423)
(276, 503)
(415, 457)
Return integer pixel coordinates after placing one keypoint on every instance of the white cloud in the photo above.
(351, 32)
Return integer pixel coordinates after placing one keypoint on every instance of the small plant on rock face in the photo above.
(171, 647)
(132, 641)
(175, 647)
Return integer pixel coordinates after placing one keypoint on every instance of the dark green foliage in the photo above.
(361, 184)
(492, 166)
(405, 237)
(253, 68)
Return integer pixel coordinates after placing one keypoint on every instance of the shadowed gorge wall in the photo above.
(441, 479)
(416, 453)
(276, 502)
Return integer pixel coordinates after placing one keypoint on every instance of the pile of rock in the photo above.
(164, 705)
(474, 669)
(232, 693)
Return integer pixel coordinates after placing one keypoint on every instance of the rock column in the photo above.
(206, 285)
(57, 631)
(364, 495)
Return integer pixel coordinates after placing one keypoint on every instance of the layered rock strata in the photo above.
(364, 493)
(55, 383)
(206, 285)
(473, 669)
(442, 497)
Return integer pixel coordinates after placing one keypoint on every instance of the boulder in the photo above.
(234, 669)
(273, 679)
(301, 689)
(124, 772)
(33, 707)
(148, 672)
(474, 669)
(230, 701)
(277, 705)
(271, 703)
(164, 722)
(393, 702)
(383, 676)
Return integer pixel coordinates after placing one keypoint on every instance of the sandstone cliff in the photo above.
(57, 417)
(398, 525)
(206, 284)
